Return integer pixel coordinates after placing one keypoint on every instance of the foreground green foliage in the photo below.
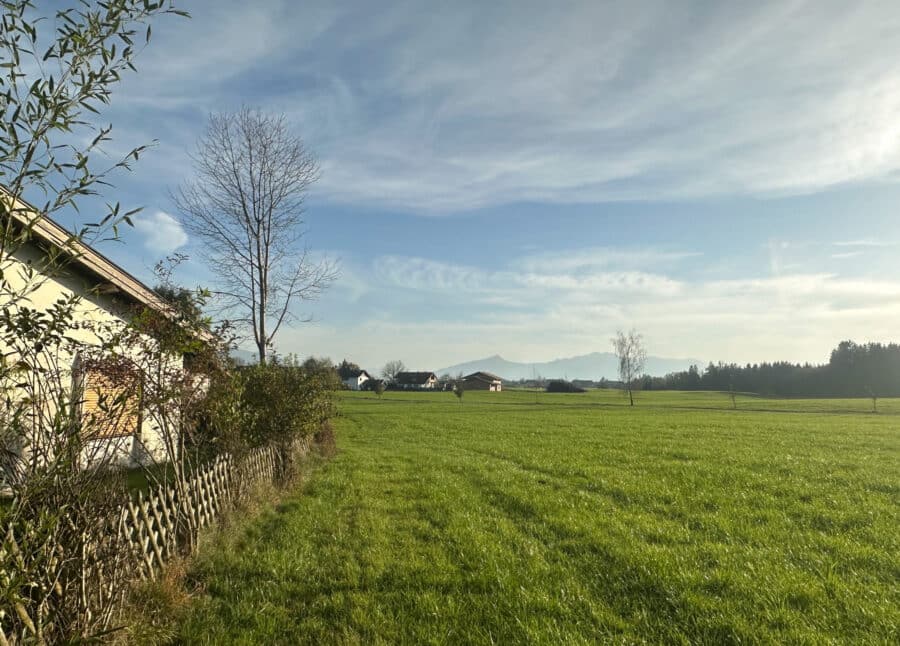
(59, 67)
(517, 518)
(283, 403)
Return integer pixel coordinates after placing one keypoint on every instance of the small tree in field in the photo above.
(378, 387)
(629, 350)
(459, 389)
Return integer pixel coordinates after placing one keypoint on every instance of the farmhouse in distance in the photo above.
(483, 381)
(416, 380)
(356, 379)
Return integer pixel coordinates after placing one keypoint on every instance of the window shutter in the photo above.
(109, 409)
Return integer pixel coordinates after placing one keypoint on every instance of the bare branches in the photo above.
(247, 203)
(629, 349)
(392, 369)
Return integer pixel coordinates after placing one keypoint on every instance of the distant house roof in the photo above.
(414, 378)
(354, 374)
(482, 376)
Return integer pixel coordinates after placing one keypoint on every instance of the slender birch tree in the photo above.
(246, 204)
(629, 349)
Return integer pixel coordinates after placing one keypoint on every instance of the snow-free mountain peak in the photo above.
(594, 366)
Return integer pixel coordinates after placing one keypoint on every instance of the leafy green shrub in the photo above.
(219, 417)
(282, 404)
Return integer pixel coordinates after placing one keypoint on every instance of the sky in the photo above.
(525, 178)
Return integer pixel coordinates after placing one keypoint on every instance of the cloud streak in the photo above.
(477, 105)
(865, 243)
(572, 311)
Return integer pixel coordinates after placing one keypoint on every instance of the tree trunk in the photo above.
(630, 397)
(261, 347)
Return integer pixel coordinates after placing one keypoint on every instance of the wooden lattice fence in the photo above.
(137, 540)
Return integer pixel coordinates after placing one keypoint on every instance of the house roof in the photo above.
(482, 376)
(414, 378)
(356, 373)
(109, 276)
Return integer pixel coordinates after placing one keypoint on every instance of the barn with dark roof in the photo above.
(483, 381)
(415, 380)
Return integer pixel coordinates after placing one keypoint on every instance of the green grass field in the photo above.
(572, 519)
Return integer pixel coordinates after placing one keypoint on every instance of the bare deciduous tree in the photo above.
(246, 204)
(391, 370)
(629, 349)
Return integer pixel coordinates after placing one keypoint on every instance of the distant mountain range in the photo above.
(594, 366)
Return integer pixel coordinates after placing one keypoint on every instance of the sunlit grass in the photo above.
(517, 518)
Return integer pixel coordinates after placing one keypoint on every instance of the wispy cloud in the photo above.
(531, 284)
(584, 259)
(430, 275)
(575, 103)
(569, 120)
(867, 242)
(549, 311)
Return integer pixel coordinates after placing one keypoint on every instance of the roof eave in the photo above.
(112, 278)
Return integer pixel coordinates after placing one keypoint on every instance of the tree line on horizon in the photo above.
(853, 370)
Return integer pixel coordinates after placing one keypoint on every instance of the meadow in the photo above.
(526, 517)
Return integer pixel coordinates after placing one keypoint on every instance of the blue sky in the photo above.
(524, 178)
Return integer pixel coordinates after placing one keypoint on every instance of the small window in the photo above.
(110, 400)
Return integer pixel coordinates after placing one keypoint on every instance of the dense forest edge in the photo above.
(853, 370)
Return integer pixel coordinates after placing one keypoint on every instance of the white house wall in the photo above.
(355, 383)
(96, 311)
